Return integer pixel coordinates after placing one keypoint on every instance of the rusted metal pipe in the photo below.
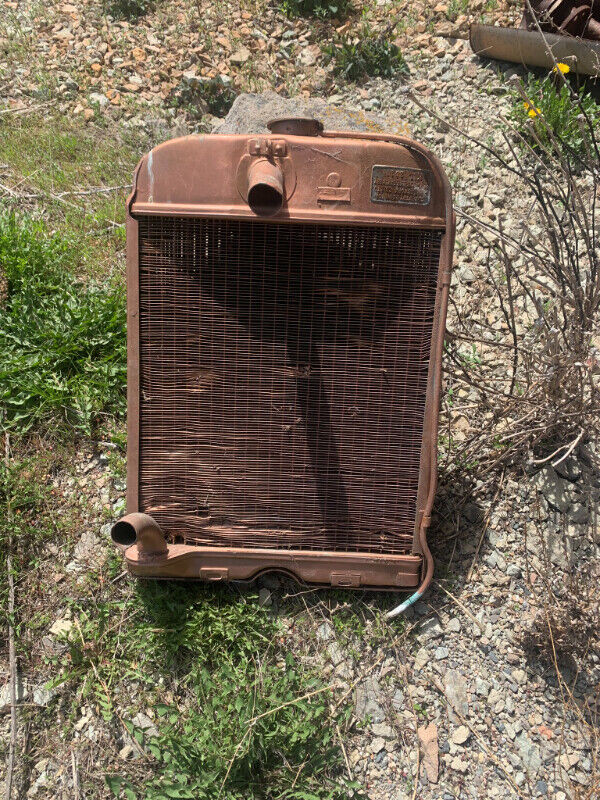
(142, 530)
(535, 49)
(265, 187)
(571, 17)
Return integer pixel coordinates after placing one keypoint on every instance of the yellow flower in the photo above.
(560, 67)
(532, 111)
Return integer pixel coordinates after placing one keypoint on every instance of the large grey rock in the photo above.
(367, 700)
(251, 112)
(455, 688)
(557, 491)
(529, 754)
(144, 723)
(21, 693)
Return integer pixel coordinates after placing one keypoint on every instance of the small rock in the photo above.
(459, 765)
(456, 693)
(569, 469)
(568, 760)
(377, 745)
(453, 625)
(100, 99)
(383, 730)
(144, 722)
(441, 653)
(335, 653)
(325, 632)
(467, 275)
(461, 734)
(126, 752)
(529, 754)
(88, 551)
(62, 627)
(43, 696)
(430, 629)
(421, 658)
(240, 56)
(264, 598)
(367, 700)
(21, 693)
(309, 55)
(519, 676)
(579, 514)
(554, 488)
(428, 737)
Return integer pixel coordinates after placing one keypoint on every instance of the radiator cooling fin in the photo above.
(283, 379)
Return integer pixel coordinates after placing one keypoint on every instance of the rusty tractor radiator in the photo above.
(286, 304)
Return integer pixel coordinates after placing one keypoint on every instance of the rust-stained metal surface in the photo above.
(535, 49)
(551, 31)
(285, 356)
(579, 18)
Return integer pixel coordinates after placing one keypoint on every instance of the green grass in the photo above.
(47, 156)
(62, 339)
(365, 55)
(238, 716)
(239, 725)
(23, 496)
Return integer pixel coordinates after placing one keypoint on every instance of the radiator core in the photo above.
(283, 379)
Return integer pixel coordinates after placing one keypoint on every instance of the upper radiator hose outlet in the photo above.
(265, 188)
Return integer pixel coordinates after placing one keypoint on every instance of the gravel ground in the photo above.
(457, 699)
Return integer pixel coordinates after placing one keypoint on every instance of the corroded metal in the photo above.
(551, 31)
(580, 18)
(535, 49)
(284, 358)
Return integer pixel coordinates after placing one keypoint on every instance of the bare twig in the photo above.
(61, 195)
(293, 702)
(28, 109)
(345, 754)
(570, 449)
(484, 528)
(12, 659)
(462, 607)
(479, 738)
(75, 773)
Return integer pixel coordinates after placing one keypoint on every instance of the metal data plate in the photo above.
(401, 185)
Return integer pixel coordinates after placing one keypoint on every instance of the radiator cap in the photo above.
(296, 126)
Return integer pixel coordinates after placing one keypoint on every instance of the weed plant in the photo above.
(205, 94)
(545, 112)
(247, 721)
(367, 55)
(62, 340)
(316, 8)
(127, 9)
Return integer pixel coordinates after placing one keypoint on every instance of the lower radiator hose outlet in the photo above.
(140, 529)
